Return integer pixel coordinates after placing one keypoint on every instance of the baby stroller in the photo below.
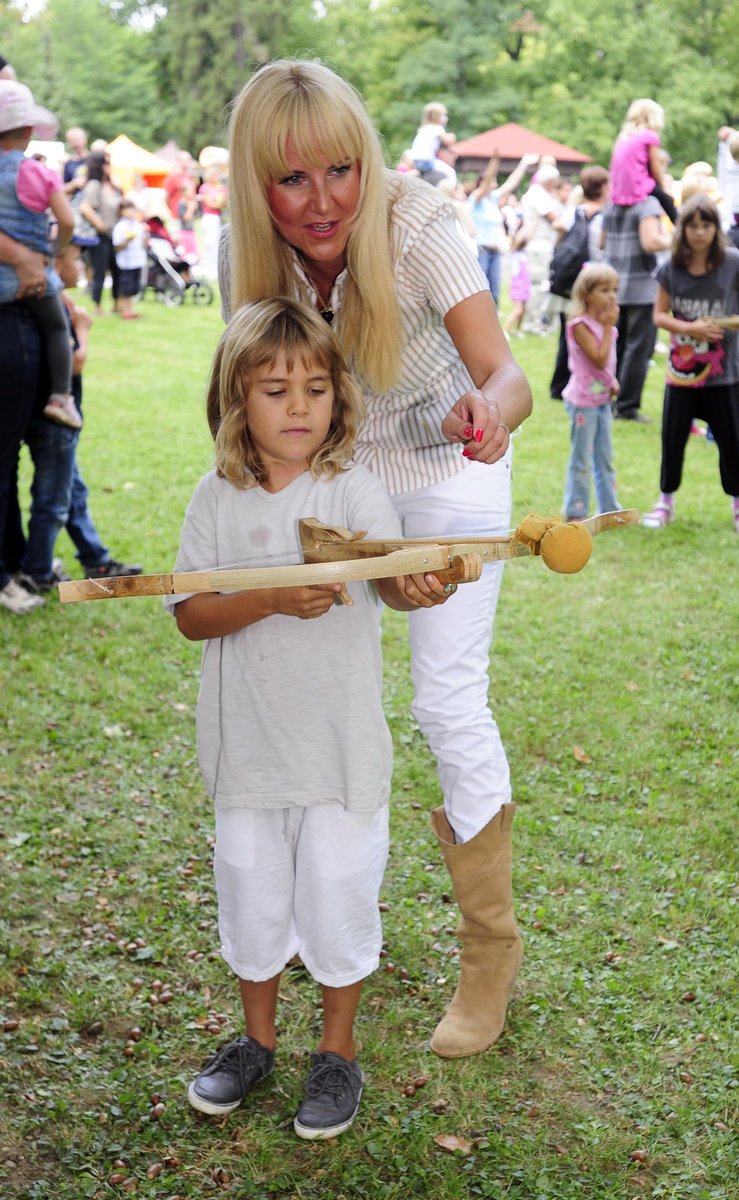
(169, 276)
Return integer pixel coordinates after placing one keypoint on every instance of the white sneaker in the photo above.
(17, 600)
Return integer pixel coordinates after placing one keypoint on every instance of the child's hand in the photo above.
(704, 330)
(609, 314)
(306, 602)
(615, 390)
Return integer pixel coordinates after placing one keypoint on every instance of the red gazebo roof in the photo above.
(511, 141)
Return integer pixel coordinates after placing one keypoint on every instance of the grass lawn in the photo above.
(616, 692)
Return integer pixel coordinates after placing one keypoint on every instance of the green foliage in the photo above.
(569, 72)
(207, 50)
(89, 70)
(616, 693)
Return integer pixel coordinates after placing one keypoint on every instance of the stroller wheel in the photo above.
(172, 296)
(201, 292)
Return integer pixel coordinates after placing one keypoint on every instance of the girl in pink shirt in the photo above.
(591, 344)
(637, 163)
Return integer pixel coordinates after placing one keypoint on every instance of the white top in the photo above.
(434, 270)
(290, 711)
(426, 143)
(537, 205)
(132, 255)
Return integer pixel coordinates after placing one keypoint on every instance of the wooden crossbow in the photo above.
(335, 555)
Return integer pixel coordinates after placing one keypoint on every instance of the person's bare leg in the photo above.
(259, 1001)
(339, 1010)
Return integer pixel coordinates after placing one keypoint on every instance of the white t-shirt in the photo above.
(290, 711)
(426, 143)
(132, 255)
(538, 205)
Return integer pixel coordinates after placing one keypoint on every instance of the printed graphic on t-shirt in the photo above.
(693, 362)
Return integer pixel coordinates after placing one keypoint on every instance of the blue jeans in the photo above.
(52, 448)
(81, 528)
(490, 262)
(58, 498)
(591, 456)
(20, 352)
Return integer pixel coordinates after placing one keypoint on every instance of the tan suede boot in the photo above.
(491, 945)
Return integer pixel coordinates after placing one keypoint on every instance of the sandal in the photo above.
(661, 515)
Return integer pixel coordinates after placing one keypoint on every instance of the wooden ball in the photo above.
(566, 548)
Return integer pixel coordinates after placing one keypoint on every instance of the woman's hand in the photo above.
(482, 419)
(475, 422)
(31, 273)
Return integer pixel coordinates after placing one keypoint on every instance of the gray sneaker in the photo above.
(331, 1100)
(229, 1075)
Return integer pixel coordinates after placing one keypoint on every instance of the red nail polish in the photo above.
(468, 431)
(466, 454)
(479, 435)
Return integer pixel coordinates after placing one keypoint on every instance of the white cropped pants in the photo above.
(300, 881)
(450, 647)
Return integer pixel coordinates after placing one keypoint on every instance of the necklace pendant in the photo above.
(328, 315)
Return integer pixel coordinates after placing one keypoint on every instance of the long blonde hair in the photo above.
(257, 335)
(323, 117)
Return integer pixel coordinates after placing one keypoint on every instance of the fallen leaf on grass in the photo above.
(450, 1142)
(581, 755)
(19, 838)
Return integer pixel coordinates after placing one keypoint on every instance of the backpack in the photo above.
(570, 255)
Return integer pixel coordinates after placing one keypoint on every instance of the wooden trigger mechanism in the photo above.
(331, 543)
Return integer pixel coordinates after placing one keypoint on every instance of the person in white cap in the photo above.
(28, 189)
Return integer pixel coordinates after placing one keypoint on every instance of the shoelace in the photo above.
(328, 1077)
(234, 1057)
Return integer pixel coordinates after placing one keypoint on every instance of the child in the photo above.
(431, 134)
(130, 239)
(637, 165)
(292, 739)
(27, 190)
(591, 345)
(520, 285)
(700, 282)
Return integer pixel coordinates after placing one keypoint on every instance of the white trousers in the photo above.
(300, 881)
(210, 233)
(450, 647)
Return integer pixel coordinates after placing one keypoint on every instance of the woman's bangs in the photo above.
(318, 135)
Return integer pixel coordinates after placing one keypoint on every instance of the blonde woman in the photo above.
(316, 215)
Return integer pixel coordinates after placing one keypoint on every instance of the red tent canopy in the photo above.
(510, 142)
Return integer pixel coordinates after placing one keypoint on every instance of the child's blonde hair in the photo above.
(643, 114)
(587, 281)
(433, 113)
(256, 336)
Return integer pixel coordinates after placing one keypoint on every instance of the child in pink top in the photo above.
(28, 189)
(591, 343)
(637, 163)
